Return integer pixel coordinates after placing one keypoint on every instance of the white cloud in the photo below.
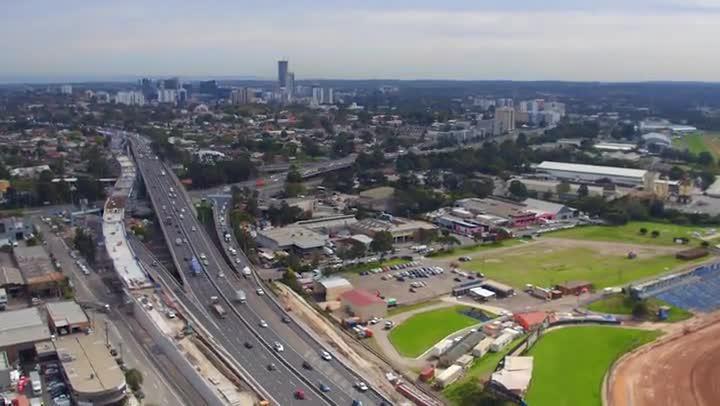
(382, 44)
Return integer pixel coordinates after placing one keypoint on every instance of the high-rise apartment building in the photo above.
(329, 97)
(282, 73)
(290, 86)
(504, 121)
(317, 95)
(167, 96)
(131, 98)
(66, 89)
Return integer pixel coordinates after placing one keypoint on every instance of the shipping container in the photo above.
(482, 347)
(442, 347)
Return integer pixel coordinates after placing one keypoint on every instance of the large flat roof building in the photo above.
(292, 238)
(20, 330)
(592, 173)
(91, 371)
(66, 317)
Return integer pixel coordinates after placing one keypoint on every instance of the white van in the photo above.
(36, 384)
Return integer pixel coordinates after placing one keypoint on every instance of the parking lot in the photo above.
(55, 389)
(409, 283)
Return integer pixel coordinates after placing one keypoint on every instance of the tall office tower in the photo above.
(504, 121)
(317, 95)
(329, 96)
(172, 83)
(282, 73)
(167, 96)
(182, 96)
(290, 86)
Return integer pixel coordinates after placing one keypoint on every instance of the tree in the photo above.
(705, 159)
(518, 190)
(84, 243)
(134, 379)
(382, 242)
(640, 309)
(290, 279)
(582, 191)
(676, 173)
(643, 231)
(562, 188)
(655, 234)
(425, 236)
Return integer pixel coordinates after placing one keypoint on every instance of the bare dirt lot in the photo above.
(680, 370)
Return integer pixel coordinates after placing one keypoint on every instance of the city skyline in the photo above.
(461, 40)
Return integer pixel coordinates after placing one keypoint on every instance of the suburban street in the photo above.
(162, 388)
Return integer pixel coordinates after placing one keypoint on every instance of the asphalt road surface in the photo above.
(242, 324)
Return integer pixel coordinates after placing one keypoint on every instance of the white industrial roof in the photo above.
(22, 326)
(66, 313)
(334, 282)
(484, 293)
(592, 169)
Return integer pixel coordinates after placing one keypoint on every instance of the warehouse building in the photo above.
(363, 304)
(580, 173)
(402, 230)
(515, 374)
(293, 238)
(464, 346)
(91, 371)
(67, 317)
(331, 288)
(20, 330)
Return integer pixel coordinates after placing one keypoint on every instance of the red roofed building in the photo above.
(529, 320)
(363, 304)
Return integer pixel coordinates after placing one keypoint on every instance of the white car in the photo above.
(361, 386)
(193, 228)
(260, 292)
(326, 356)
(221, 274)
(278, 347)
(263, 324)
(237, 260)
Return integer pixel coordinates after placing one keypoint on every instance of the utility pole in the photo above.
(107, 335)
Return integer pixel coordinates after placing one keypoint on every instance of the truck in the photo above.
(178, 241)
(240, 296)
(195, 266)
(246, 271)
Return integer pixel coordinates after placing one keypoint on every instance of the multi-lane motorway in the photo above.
(280, 373)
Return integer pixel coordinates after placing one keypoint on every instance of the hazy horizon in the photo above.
(603, 41)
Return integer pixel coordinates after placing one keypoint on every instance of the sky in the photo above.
(585, 40)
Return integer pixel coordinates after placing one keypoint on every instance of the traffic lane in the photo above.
(293, 335)
(338, 393)
(210, 252)
(236, 346)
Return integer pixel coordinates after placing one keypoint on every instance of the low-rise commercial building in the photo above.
(67, 317)
(402, 230)
(331, 288)
(514, 213)
(20, 330)
(41, 277)
(581, 173)
(92, 373)
(362, 304)
(292, 238)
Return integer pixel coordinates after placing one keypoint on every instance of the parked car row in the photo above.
(55, 385)
(389, 268)
(421, 272)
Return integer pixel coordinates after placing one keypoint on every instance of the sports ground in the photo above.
(570, 363)
(552, 261)
(421, 331)
(630, 233)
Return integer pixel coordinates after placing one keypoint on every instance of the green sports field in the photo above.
(570, 363)
(630, 233)
(622, 304)
(421, 331)
(542, 265)
(700, 142)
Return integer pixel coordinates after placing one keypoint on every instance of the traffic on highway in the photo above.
(283, 359)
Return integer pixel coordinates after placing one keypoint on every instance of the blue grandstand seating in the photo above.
(702, 293)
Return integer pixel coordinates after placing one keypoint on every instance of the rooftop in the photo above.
(22, 326)
(334, 282)
(88, 364)
(300, 237)
(494, 206)
(592, 169)
(360, 297)
(65, 313)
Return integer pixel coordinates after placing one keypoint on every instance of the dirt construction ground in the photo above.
(680, 370)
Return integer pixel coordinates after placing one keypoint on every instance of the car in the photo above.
(361, 386)
(170, 314)
(193, 228)
(51, 371)
(263, 324)
(271, 367)
(465, 259)
(457, 279)
(356, 402)
(307, 366)
(326, 356)
(259, 291)
(299, 394)
(286, 319)
(248, 345)
(278, 347)
(221, 274)
(323, 388)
